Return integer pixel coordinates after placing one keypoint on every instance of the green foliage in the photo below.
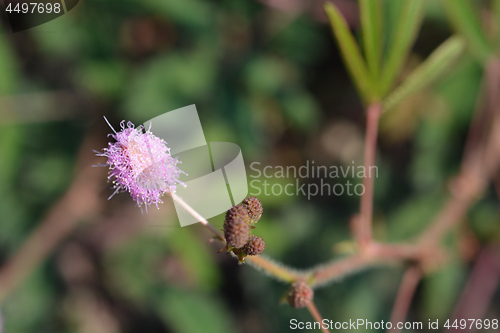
(193, 312)
(376, 76)
(182, 11)
(103, 78)
(401, 39)
(464, 16)
(200, 263)
(411, 216)
(268, 75)
(8, 67)
(151, 91)
(301, 109)
(27, 309)
(351, 53)
(439, 62)
(484, 221)
(371, 12)
(440, 291)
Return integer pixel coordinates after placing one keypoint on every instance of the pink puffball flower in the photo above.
(140, 163)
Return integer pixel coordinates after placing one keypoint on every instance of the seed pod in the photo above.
(254, 246)
(236, 227)
(300, 294)
(238, 212)
(254, 207)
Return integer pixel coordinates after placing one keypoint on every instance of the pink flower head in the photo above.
(141, 164)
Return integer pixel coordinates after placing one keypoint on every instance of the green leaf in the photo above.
(429, 71)
(465, 19)
(401, 41)
(372, 27)
(392, 10)
(350, 52)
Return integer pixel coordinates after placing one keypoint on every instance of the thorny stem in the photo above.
(317, 316)
(375, 254)
(363, 229)
(279, 271)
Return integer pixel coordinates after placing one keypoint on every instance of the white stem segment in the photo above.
(197, 216)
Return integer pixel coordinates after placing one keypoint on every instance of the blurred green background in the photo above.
(265, 75)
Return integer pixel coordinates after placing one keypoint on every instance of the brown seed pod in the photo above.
(254, 207)
(300, 294)
(254, 246)
(238, 212)
(236, 227)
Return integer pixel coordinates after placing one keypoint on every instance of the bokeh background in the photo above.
(266, 75)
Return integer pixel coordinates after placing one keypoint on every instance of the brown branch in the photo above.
(406, 291)
(477, 170)
(364, 221)
(453, 211)
(317, 316)
(376, 254)
(478, 128)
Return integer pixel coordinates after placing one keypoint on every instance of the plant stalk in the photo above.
(364, 229)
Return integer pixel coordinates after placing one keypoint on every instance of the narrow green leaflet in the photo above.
(429, 71)
(402, 39)
(465, 18)
(350, 52)
(372, 31)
